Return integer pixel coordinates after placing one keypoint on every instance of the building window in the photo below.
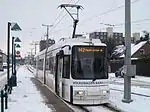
(142, 51)
(97, 33)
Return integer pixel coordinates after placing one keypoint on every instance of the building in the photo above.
(4, 58)
(116, 37)
(136, 35)
(140, 56)
(105, 36)
(137, 50)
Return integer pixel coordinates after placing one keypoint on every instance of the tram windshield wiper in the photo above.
(94, 79)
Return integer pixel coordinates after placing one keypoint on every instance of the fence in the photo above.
(7, 89)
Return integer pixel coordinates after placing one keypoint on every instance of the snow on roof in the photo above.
(135, 48)
(73, 41)
(119, 49)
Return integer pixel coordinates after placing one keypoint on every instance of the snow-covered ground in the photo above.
(139, 104)
(140, 96)
(25, 97)
(3, 78)
(3, 72)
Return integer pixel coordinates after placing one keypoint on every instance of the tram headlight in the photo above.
(79, 93)
(105, 92)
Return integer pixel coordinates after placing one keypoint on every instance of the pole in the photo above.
(46, 54)
(15, 72)
(13, 55)
(31, 57)
(74, 30)
(35, 48)
(15, 59)
(47, 35)
(127, 78)
(8, 53)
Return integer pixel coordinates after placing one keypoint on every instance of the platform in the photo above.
(31, 95)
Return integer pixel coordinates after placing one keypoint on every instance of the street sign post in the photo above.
(12, 27)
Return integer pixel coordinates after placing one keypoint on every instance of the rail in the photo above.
(5, 91)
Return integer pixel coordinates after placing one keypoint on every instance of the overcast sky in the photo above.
(31, 14)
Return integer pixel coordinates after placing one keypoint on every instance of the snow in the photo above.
(135, 48)
(137, 78)
(119, 50)
(98, 109)
(134, 89)
(25, 97)
(145, 79)
(139, 104)
(3, 72)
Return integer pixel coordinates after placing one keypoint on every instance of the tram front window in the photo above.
(88, 62)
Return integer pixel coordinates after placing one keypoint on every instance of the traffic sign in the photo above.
(17, 39)
(18, 46)
(15, 27)
(18, 52)
(18, 56)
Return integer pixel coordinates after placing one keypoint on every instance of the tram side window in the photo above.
(51, 65)
(47, 63)
(66, 67)
(41, 64)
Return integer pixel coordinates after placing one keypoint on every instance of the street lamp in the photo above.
(13, 27)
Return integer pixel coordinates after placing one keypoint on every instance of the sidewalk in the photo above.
(25, 97)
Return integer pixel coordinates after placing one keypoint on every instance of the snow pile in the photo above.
(25, 97)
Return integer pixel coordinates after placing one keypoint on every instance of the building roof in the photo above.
(119, 50)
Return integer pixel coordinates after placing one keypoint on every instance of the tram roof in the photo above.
(73, 41)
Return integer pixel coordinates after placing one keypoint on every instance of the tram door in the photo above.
(58, 76)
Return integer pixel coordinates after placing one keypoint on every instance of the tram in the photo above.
(76, 70)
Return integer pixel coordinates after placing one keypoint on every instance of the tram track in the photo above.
(112, 108)
(143, 85)
(79, 108)
(103, 107)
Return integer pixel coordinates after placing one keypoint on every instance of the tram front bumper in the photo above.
(90, 97)
(90, 100)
